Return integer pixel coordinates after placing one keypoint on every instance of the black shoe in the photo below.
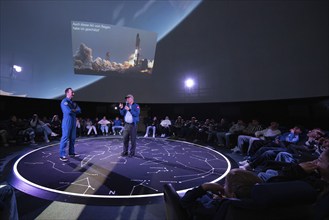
(124, 154)
(74, 155)
(64, 158)
(131, 154)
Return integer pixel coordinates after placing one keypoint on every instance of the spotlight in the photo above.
(18, 69)
(189, 83)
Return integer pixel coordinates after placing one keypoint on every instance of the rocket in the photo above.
(138, 40)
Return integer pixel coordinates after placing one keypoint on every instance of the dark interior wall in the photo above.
(309, 112)
(236, 50)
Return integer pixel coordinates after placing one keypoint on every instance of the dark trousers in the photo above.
(130, 131)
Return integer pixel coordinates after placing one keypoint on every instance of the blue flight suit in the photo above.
(70, 110)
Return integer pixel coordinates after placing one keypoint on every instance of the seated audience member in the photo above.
(235, 129)
(263, 137)
(221, 127)
(316, 173)
(247, 133)
(203, 201)
(90, 127)
(152, 124)
(56, 125)
(97, 126)
(4, 138)
(117, 124)
(286, 158)
(20, 129)
(190, 128)
(204, 129)
(8, 205)
(104, 123)
(270, 150)
(179, 123)
(79, 127)
(40, 127)
(310, 149)
(165, 127)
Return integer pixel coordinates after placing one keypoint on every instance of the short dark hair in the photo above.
(67, 90)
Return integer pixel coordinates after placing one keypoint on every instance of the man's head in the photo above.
(130, 98)
(315, 133)
(239, 183)
(296, 130)
(274, 125)
(69, 93)
(255, 122)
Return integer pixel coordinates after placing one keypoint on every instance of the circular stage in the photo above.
(100, 175)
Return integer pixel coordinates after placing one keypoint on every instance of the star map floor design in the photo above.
(101, 175)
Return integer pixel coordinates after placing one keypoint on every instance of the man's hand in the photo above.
(213, 187)
(309, 166)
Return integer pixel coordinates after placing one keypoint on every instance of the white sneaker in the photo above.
(236, 149)
(246, 167)
(244, 162)
(145, 135)
(153, 136)
(53, 134)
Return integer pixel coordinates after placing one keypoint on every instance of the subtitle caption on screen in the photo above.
(80, 26)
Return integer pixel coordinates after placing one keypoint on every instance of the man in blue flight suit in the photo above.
(131, 113)
(70, 110)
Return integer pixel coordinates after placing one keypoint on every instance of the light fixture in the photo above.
(18, 69)
(189, 83)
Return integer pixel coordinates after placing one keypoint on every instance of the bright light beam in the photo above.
(17, 68)
(189, 83)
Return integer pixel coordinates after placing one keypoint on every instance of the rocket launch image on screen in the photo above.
(103, 49)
